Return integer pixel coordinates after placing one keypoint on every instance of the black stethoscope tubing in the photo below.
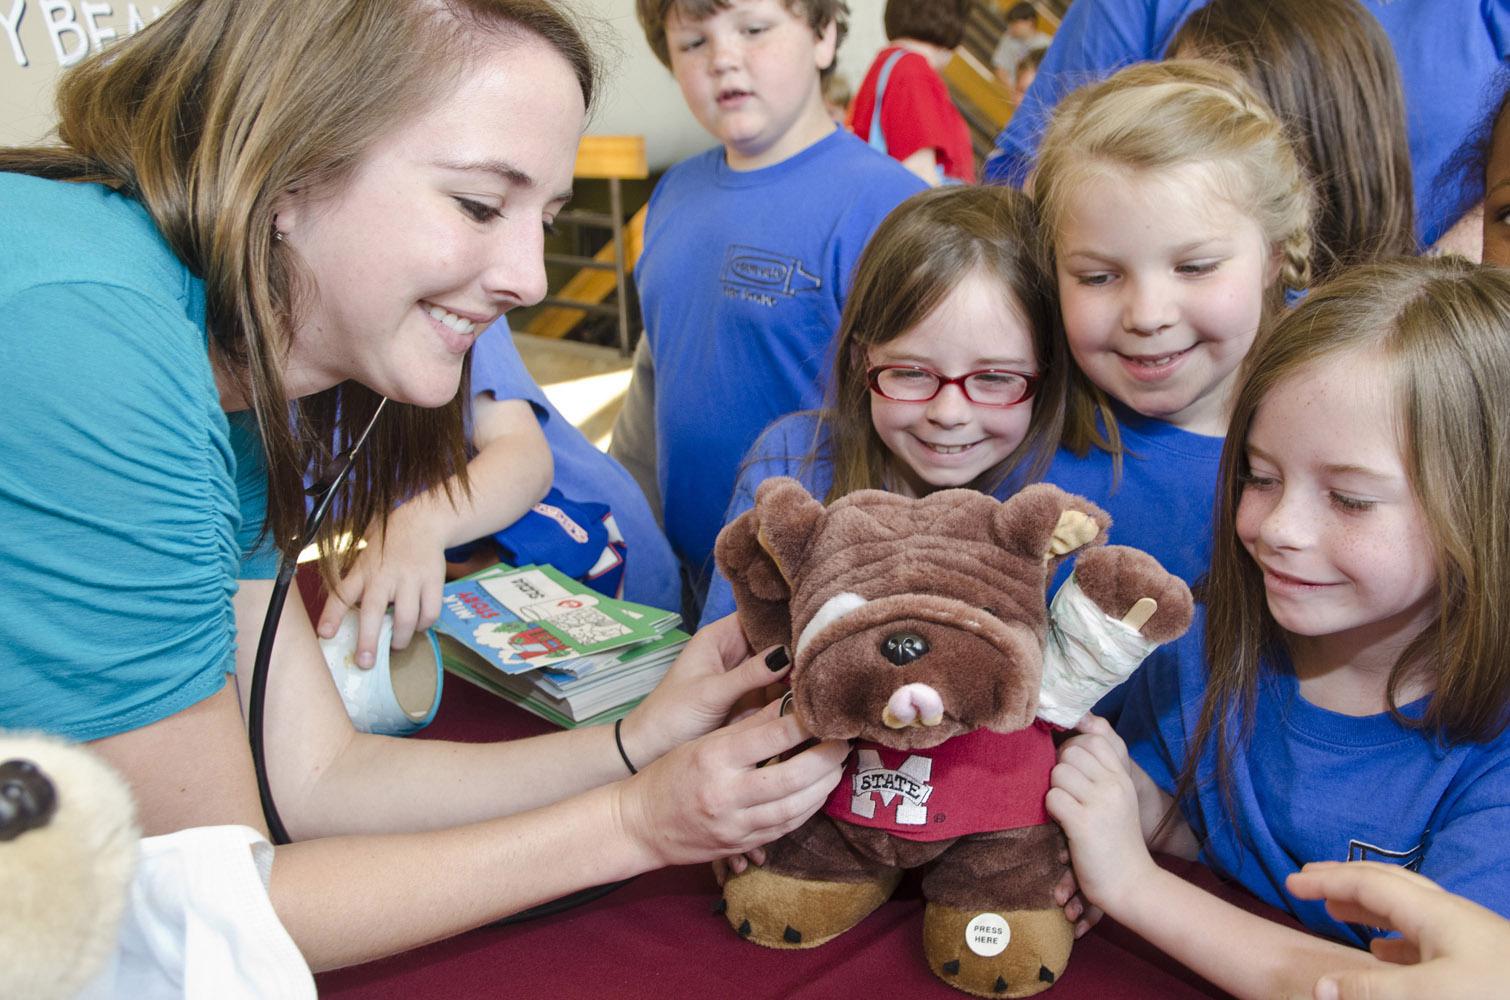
(325, 490)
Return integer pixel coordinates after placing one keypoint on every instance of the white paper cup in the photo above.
(400, 693)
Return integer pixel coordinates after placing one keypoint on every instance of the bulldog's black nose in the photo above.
(901, 648)
(27, 799)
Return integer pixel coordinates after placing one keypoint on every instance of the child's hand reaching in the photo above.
(1067, 894)
(403, 566)
(1093, 797)
(1448, 948)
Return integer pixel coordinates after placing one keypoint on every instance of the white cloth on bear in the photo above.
(1086, 654)
(199, 923)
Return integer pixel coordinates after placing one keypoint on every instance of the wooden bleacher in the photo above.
(612, 158)
(987, 105)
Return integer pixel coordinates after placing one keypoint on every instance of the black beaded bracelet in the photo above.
(618, 741)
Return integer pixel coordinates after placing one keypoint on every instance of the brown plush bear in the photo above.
(919, 629)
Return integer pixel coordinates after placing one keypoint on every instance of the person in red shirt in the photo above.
(903, 107)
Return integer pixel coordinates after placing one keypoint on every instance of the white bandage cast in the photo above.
(1086, 654)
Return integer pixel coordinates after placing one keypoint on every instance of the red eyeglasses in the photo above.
(986, 387)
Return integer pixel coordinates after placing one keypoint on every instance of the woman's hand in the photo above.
(403, 565)
(1067, 894)
(736, 864)
(1093, 798)
(710, 798)
(1449, 948)
(713, 674)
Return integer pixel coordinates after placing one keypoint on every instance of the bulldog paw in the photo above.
(1130, 585)
(780, 911)
(1011, 954)
(1075, 528)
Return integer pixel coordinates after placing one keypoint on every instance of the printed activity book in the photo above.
(552, 645)
(566, 700)
(531, 617)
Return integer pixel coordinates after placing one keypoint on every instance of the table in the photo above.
(657, 937)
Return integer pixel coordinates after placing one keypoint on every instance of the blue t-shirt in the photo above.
(128, 502)
(781, 451)
(742, 282)
(583, 472)
(1164, 502)
(1314, 785)
(1447, 51)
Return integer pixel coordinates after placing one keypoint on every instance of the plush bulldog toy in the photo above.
(919, 629)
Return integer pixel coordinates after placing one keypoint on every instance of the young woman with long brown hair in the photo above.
(261, 217)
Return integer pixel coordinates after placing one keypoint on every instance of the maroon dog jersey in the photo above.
(975, 783)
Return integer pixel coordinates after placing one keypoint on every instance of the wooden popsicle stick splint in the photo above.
(1143, 609)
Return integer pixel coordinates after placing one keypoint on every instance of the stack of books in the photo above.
(553, 646)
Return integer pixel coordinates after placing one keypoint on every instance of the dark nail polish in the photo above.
(777, 659)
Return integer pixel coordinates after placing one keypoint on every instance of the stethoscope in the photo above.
(324, 490)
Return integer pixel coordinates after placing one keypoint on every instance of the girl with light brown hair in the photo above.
(261, 217)
(1328, 71)
(946, 367)
(1343, 695)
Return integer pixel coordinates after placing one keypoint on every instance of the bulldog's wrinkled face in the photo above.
(912, 670)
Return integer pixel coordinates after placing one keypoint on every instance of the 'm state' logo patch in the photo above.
(910, 782)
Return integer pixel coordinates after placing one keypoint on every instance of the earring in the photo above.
(278, 235)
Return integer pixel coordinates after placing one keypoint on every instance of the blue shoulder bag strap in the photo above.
(877, 137)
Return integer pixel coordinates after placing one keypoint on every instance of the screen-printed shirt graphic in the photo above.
(742, 284)
(765, 276)
(975, 783)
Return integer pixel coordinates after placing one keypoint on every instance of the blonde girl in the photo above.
(1344, 695)
(1176, 215)
(946, 369)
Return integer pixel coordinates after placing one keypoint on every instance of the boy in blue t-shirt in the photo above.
(749, 246)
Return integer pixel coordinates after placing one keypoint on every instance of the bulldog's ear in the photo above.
(760, 552)
(789, 519)
(1044, 523)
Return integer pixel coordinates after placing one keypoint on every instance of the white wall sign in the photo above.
(43, 37)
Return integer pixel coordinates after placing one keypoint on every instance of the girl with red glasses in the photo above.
(945, 369)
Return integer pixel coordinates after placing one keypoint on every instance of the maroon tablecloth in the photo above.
(657, 937)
